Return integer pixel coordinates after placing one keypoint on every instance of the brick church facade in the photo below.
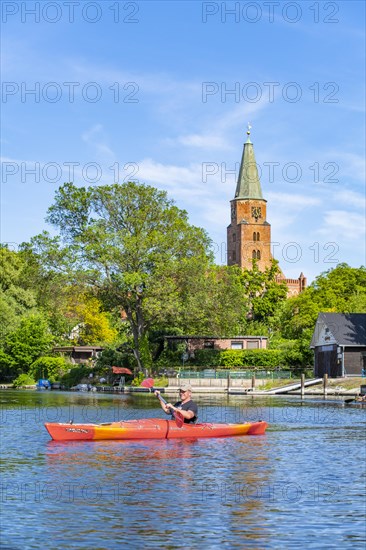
(249, 233)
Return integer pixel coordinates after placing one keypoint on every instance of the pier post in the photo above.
(325, 384)
(228, 380)
(253, 382)
(302, 384)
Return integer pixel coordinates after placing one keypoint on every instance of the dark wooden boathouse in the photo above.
(339, 344)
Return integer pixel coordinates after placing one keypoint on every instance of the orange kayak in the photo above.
(154, 428)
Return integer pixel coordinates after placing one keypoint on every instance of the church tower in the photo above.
(249, 233)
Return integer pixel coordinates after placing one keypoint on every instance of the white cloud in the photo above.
(95, 138)
(350, 198)
(343, 224)
(203, 141)
(295, 201)
(350, 164)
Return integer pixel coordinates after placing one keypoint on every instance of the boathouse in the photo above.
(79, 355)
(339, 344)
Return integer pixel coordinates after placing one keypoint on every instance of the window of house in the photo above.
(208, 344)
(253, 344)
(234, 256)
(236, 345)
(234, 237)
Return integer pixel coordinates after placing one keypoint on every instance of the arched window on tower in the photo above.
(254, 236)
(258, 254)
(254, 254)
(258, 237)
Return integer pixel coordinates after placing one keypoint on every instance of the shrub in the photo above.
(23, 380)
(51, 368)
(206, 358)
(169, 357)
(242, 359)
(75, 376)
(111, 357)
(138, 379)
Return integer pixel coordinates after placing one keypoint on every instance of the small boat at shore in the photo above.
(152, 428)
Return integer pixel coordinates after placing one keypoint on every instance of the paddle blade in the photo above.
(179, 419)
(147, 383)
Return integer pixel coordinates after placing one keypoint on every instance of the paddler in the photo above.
(185, 406)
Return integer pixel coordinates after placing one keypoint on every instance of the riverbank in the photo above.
(255, 387)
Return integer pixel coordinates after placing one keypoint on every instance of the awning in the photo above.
(121, 370)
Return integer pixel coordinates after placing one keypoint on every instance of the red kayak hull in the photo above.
(154, 428)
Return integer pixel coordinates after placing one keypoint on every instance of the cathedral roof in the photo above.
(248, 186)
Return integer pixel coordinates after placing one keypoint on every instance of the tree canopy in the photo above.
(126, 267)
(134, 245)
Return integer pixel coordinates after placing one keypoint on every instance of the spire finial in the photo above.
(248, 129)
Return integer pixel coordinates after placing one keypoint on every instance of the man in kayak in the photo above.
(187, 408)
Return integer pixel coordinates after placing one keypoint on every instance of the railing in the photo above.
(242, 374)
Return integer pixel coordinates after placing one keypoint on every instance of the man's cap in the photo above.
(185, 387)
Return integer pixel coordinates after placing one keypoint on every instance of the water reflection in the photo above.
(245, 492)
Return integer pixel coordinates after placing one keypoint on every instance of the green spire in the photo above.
(248, 186)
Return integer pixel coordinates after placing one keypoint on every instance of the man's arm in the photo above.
(186, 414)
(166, 407)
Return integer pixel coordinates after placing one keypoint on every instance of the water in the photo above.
(302, 484)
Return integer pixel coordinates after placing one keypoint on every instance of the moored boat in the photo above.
(152, 428)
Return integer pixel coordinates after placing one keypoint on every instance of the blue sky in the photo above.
(162, 92)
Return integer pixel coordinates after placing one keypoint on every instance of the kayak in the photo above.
(154, 428)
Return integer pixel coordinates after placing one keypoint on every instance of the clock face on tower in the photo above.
(256, 212)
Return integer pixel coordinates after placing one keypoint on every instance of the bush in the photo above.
(290, 354)
(138, 379)
(250, 358)
(75, 376)
(111, 357)
(23, 380)
(206, 358)
(167, 358)
(51, 368)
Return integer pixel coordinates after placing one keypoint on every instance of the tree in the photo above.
(15, 298)
(28, 342)
(341, 290)
(56, 293)
(131, 243)
(213, 302)
(95, 325)
(265, 295)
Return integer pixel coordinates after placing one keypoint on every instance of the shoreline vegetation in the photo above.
(124, 270)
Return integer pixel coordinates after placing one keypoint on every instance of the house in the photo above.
(79, 355)
(339, 344)
(194, 343)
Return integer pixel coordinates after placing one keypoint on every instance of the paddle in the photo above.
(179, 418)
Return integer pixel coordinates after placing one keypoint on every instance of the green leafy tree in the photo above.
(265, 296)
(51, 368)
(340, 290)
(47, 274)
(131, 243)
(15, 298)
(213, 302)
(29, 341)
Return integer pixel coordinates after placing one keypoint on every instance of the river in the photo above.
(300, 485)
